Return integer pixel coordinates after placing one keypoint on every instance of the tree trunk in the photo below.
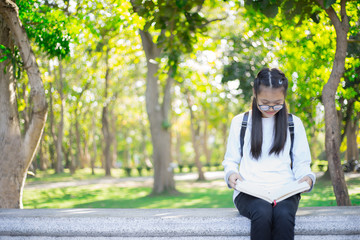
(352, 148)
(43, 160)
(178, 148)
(86, 154)
(107, 138)
(79, 156)
(144, 154)
(126, 153)
(93, 156)
(114, 156)
(52, 130)
(332, 134)
(71, 160)
(105, 121)
(59, 153)
(207, 151)
(195, 138)
(158, 118)
(17, 152)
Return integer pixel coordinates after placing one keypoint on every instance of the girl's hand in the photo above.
(232, 179)
(307, 179)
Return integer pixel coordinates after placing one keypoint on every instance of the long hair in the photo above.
(273, 78)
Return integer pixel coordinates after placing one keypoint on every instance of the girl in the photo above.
(265, 158)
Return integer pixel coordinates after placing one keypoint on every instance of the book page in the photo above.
(254, 189)
(290, 190)
(279, 194)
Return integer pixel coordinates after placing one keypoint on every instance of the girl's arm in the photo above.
(302, 155)
(232, 156)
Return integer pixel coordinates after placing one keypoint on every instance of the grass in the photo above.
(49, 176)
(84, 174)
(209, 194)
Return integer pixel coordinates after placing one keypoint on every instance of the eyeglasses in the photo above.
(267, 107)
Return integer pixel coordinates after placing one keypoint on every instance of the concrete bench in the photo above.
(330, 223)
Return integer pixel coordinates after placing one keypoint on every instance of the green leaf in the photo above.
(315, 17)
(3, 58)
(166, 124)
(328, 3)
(271, 11)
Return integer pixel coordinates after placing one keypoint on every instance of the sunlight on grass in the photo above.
(80, 174)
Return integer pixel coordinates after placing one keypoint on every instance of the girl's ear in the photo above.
(253, 92)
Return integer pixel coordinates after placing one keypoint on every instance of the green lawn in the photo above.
(209, 194)
(81, 174)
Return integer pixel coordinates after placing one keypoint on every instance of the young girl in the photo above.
(265, 158)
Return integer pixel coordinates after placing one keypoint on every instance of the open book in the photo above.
(273, 196)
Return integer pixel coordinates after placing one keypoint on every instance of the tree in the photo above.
(349, 110)
(195, 133)
(158, 114)
(177, 25)
(17, 151)
(332, 136)
(349, 95)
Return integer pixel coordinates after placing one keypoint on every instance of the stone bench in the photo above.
(330, 223)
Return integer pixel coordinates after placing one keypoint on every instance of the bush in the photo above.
(139, 169)
(190, 167)
(127, 171)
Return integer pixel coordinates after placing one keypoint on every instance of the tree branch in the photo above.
(213, 20)
(343, 10)
(320, 3)
(353, 40)
(333, 17)
(149, 45)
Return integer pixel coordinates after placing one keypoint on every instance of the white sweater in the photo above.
(271, 171)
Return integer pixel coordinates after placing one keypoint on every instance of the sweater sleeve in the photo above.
(232, 155)
(301, 153)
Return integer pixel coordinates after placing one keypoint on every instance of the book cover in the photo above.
(273, 196)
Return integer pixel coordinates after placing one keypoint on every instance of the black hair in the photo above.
(273, 78)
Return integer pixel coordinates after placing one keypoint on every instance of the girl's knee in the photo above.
(262, 212)
(284, 216)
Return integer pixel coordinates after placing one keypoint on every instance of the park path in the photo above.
(148, 181)
(126, 181)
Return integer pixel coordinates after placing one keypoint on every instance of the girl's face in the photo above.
(272, 97)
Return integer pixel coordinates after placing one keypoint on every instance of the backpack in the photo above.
(291, 129)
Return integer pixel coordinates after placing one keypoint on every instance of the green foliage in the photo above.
(46, 26)
(328, 3)
(247, 56)
(166, 124)
(178, 23)
(294, 11)
(5, 53)
(15, 60)
(268, 8)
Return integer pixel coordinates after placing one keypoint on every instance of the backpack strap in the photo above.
(291, 129)
(242, 132)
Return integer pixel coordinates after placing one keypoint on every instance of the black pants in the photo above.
(268, 222)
